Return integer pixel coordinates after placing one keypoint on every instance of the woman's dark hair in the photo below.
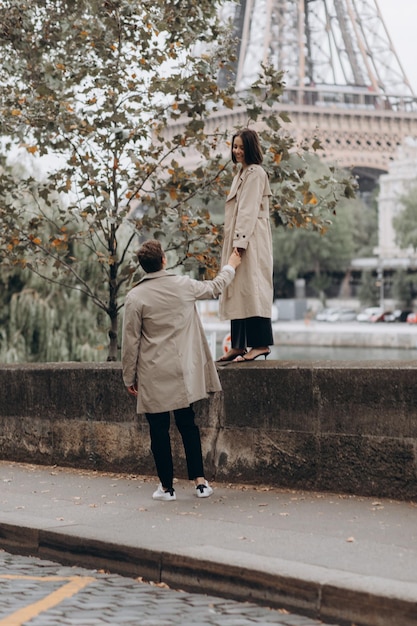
(150, 256)
(251, 146)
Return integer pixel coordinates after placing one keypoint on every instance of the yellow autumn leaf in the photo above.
(228, 102)
(16, 112)
(32, 149)
(60, 66)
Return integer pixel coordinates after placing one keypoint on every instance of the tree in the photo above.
(113, 94)
(403, 289)
(369, 290)
(365, 220)
(405, 221)
(300, 251)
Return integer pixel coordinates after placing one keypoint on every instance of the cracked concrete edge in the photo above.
(330, 595)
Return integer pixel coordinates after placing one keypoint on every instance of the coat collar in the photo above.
(239, 179)
(155, 275)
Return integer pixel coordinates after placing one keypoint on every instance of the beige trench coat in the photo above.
(247, 226)
(164, 347)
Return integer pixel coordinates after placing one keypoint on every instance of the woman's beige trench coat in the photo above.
(164, 347)
(247, 226)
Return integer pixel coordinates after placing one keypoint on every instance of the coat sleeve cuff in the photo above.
(229, 267)
(240, 243)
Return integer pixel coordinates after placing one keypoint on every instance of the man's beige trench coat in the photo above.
(247, 226)
(164, 347)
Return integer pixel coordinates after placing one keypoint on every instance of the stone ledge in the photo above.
(348, 427)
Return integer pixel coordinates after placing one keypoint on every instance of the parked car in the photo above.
(336, 315)
(384, 316)
(390, 316)
(323, 315)
(366, 314)
(403, 316)
(343, 315)
(397, 316)
(412, 318)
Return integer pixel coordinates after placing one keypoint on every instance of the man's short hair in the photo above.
(150, 256)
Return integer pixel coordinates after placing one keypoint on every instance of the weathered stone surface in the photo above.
(346, 427)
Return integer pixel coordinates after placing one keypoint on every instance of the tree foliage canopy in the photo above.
(112, 96)
(405, 221)
(299, 252)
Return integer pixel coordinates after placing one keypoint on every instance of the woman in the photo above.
(248, 300)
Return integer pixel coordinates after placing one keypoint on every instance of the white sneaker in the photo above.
(161, 494)
(204, 491)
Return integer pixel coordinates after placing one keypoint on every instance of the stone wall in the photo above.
(342, 427)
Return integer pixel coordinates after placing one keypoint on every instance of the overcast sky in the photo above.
(400, 17)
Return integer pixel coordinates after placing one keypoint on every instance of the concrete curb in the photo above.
(315, 591)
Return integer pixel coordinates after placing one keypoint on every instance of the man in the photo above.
(166, 359)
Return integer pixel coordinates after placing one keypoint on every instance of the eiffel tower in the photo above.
(344, 79)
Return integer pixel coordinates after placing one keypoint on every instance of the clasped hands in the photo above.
(235, 258)
(132, 390)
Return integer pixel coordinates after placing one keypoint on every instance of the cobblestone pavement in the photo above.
(34, 592)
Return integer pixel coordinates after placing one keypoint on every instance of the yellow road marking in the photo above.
(75, 584)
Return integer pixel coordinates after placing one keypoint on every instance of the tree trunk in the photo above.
(113, 335)
(113, 310)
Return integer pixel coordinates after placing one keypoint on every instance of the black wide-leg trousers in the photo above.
(253, 332)
(159, 424)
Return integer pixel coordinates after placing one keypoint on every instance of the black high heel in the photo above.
(244, 359)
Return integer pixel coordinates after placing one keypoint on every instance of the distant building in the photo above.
(402, 175)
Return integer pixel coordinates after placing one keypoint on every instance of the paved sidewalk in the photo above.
(333, 557)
